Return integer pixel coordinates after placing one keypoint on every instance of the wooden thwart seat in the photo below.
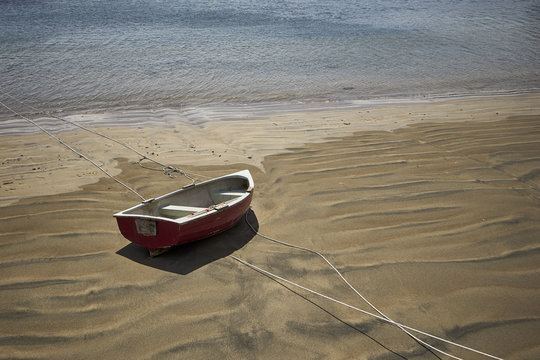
(222, 196)
(177, 211)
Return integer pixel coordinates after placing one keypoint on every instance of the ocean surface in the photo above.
(92, 55)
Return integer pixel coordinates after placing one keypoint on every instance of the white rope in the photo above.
(268, 273)
(346, 282)
(167, 169)
(403, 328)
(74, 150)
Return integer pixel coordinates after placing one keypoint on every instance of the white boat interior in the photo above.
(198, 198)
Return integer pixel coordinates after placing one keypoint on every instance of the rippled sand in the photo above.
(436, 223)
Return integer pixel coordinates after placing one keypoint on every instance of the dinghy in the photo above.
(192, 213)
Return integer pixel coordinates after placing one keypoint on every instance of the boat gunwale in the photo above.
(203, 213)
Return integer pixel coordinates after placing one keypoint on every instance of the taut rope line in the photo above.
(167, 169)
(344, 280)
(272, 275)
(74, 150)
(381, 315)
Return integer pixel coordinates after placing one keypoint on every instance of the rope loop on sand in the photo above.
(170, 170)
(381, 316)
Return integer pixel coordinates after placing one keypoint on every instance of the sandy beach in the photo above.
(430, 209)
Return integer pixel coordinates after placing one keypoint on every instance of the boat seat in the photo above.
(222, 196)
(178, 211)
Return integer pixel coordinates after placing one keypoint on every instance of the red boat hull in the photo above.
(170, 233)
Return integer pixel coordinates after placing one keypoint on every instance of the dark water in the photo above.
(86, 55)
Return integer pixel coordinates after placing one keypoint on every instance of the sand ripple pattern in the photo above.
(437, 224)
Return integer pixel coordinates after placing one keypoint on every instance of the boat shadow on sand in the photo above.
(184, 259)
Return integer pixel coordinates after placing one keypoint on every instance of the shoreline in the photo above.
(204, 113)
(264, 106)
(430, 210)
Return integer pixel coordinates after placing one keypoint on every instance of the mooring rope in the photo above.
(268, 273)
(381, 315)
(74, 150)
(167, 169)
(339, 274)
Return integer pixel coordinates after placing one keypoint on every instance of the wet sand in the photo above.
(436, 223)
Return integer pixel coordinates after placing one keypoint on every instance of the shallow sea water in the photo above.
(93, 55)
